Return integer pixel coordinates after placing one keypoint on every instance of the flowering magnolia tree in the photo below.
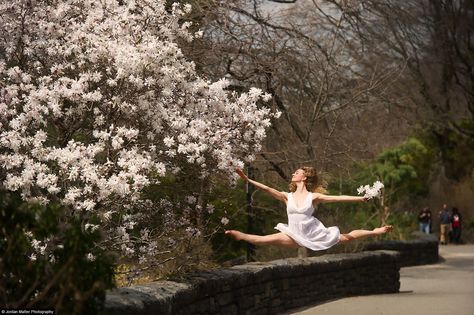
(97, 102)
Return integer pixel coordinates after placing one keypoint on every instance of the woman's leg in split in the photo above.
(357, 234)
(279, 239)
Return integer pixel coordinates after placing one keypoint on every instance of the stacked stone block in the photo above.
(263, 288)
(413, 252)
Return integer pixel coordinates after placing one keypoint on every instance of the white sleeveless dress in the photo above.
(305, 229)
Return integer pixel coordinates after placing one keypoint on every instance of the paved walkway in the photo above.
(445, 288)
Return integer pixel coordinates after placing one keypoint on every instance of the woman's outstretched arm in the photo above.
(322, 198)
(275, 193)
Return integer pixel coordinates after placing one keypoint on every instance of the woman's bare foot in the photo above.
(382, 230)
(236, 235)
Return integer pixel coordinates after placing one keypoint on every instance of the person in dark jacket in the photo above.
(424, 220)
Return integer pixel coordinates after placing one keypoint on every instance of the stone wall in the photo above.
(263, 288)
(420, 251)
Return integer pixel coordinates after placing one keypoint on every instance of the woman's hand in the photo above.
(241, 174)
(275, 193)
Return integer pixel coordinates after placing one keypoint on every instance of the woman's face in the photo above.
(298, 176)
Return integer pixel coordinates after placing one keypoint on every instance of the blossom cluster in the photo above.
(176, 226)
(371, 191)
(97, 101)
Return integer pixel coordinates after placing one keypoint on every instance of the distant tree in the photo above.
(303, 60)
(405, 170)
(432, 42)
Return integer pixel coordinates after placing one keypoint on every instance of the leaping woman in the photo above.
(304, 230)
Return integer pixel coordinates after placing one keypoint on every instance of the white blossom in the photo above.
(193, 231)
(224, 221)
(371, 191)
(210, 208)
(90, 257)
(108, 215)
(91, 227)
(191, 199)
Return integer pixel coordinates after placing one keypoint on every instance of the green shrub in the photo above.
(69, 274)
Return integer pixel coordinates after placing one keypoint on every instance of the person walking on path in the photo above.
(445, 224)
(304, 230)
(456, 225)
(424, 219)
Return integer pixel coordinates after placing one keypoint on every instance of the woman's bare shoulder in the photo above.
(316, 195)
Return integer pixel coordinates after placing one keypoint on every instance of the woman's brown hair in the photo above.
(312, 182)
